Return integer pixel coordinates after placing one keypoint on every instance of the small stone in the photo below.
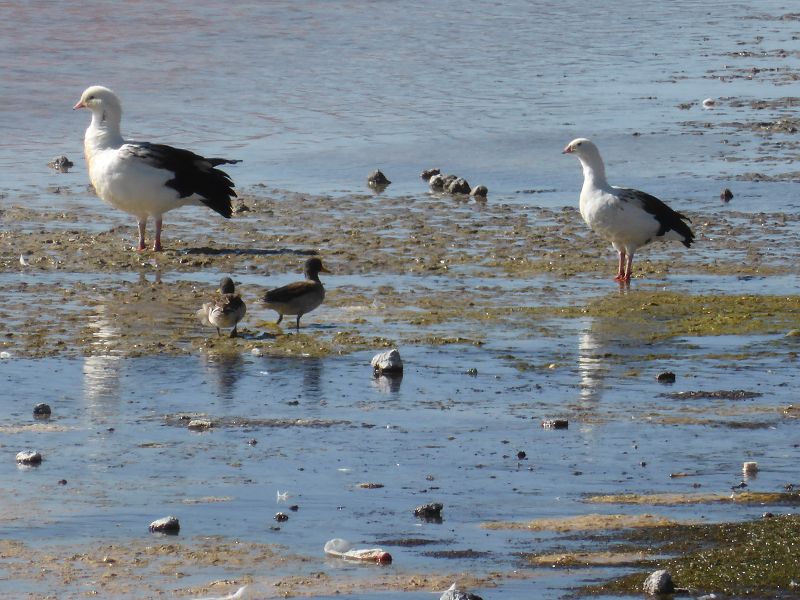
(750, 468)
(480, 191)
(436, 182)
(709, 102)
(521, 455)
(165, 525)
(658, 582)
(726, 195)
(458, 186)
(453, 593)
(62, 482)
(377, 179)
(294, 508)
(281, 517)
(252, 442)
(41, 410)
(257, 352)
(430, 512)
(200, 424)
(387, 362)
(555, 424)
(793, 333)
(428, 173)
(369, 485)
(666, 377)
(29, 457)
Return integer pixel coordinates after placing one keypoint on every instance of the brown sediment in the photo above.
(586, 559)
(765, 498)
(594, 522)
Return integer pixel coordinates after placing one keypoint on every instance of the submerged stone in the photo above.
(458, 186)
(428, 173)
(453, 593)
(480, 191)
(555, 424)
(666, 377)
(430, 512)
(377, 178)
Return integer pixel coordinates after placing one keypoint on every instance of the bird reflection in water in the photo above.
(224, 370)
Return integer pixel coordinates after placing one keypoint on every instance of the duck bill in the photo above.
(79, 105)
(567, 150)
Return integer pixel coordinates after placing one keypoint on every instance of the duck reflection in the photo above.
(101, 370)
(224, 370)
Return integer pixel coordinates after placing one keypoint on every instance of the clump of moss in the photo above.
(758, 559)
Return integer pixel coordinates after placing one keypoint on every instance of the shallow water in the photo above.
(314, 96)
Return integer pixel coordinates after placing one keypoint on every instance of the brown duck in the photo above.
(300, 297)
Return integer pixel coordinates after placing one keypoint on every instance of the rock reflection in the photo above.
(388, 383)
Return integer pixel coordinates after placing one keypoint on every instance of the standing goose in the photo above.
(145, 179)
(300, 297)
(627, 218)
(225, 310)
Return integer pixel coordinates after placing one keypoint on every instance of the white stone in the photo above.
(658, 582)
(29, 457)
(388, 362)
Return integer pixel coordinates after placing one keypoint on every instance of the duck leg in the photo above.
(628, 268)
(280, 318)
(298, 322)
(234, 333)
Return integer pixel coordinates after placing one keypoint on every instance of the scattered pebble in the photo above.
(521, 455)
(377, 179)
(555, 424)
(480, 191)
(726, 195)
(709, 103)
(41, 410)
(165, 525)
(750, 468)
(666, 377)
(5, 355)
(200, 424)
(281, 517)
(62, 482)
(658, 582)
(61, 164)
(29, 457)
(387, 362)
(428, 173)
(257, 352)
(367, 485)
(429, 512)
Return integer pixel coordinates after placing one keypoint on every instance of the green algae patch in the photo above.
(756, 559)
(594, 522)
(661, 315)
(761, 498)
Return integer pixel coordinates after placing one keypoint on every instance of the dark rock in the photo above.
(555, 424)
(62, 482)
(430, 512)
(521, 455)
(458, 186)
(377, 179)
(658, 582)
(666, 377)
(428, 173)
(453, 593)
(726, 195)
(61, 164)
(281, 517)
(41, 410)
(166, 525)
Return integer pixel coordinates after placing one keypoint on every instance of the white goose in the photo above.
(145, 179)
(627, 218)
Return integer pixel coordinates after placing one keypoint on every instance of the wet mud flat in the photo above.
(505, 314)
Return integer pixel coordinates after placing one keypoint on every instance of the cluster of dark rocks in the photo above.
(452, 184)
